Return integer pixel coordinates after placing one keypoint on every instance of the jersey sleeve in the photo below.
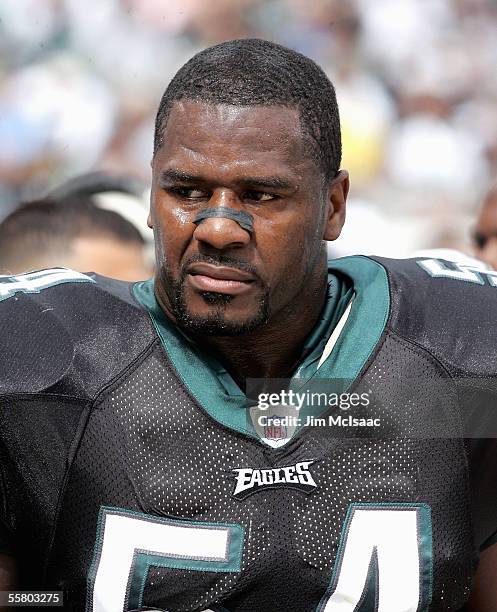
(64, 337)
(448, 309)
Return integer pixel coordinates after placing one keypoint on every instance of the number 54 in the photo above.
(384, 558)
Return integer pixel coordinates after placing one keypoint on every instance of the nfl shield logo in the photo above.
(274, 430)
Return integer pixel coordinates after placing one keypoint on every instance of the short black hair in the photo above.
(51, 224)
(254, 72)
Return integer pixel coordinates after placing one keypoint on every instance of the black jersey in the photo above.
(133, 476)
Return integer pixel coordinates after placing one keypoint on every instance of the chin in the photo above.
(218, 314)
(220, 320)
(220, 326)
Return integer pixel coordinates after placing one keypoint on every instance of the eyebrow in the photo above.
(178, 176)
(266, 182)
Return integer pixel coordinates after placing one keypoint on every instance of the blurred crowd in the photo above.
(80, 83)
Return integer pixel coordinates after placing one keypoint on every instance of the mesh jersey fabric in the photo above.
(129, 435)
(179, 463)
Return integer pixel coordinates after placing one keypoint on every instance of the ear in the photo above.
(150, 221)
(338, 190)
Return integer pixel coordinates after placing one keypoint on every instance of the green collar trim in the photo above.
(216, 391)
(204, 377)
(339, 293)
(367, 319)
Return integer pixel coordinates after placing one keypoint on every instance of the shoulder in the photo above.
(449, 308)
(56, 321)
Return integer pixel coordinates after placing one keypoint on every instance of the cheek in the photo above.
(173, 231)
(291, 241)
(287, 251)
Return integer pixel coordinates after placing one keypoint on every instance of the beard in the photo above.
(216, 323)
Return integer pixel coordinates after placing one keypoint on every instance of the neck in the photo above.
(274, 350)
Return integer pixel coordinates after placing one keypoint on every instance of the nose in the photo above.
(220, 232)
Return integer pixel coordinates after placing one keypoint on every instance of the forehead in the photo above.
(225, 137)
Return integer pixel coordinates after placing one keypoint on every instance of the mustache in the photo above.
(220, 260)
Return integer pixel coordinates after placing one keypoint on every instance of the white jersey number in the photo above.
(34, 282)
(459, 271)
(383, 563)
(128, 543)
(384, 560)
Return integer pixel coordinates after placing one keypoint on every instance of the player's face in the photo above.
(485, 235)
(215, 277)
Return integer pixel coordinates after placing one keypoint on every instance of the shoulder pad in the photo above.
(53, 322)
(448, 308)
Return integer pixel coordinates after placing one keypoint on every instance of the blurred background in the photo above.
(80, 83)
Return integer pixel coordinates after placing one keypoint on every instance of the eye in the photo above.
(189, 193)
(259, 196)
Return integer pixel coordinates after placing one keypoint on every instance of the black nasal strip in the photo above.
(245, 220)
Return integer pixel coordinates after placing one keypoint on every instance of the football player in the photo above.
(138, 471)
(72, 227)
(485, 233)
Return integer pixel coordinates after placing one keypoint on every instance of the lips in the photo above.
(219, 279)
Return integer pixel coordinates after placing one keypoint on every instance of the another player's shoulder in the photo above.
(52, 320)
(449, 307)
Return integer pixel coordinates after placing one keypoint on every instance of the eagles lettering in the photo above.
(250, 480)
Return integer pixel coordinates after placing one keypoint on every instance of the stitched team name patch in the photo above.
(250, 480)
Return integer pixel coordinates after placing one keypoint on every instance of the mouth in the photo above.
(219, 279)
